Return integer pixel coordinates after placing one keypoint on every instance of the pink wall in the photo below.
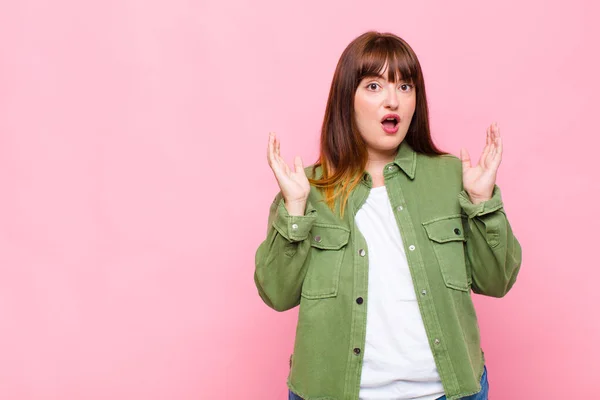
(135, 187)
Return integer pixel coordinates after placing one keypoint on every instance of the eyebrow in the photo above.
(384, 78)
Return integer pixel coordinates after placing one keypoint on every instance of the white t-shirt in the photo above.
(398, 362)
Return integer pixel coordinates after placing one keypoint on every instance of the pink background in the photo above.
(135, 187)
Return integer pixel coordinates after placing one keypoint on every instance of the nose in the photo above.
(391, 99)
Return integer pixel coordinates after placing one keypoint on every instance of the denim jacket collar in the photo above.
(406, 159)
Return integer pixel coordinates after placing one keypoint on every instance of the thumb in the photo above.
(298, 166)
(464, 157)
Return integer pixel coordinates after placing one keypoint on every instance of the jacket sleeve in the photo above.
(493, 254)
(280, 261)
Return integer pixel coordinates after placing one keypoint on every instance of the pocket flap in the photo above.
(446, 229)
(329, 237)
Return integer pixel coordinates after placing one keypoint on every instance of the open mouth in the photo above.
(390, 123)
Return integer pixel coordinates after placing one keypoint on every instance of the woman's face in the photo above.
(383, 111)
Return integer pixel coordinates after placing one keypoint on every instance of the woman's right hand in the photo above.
(294, 185)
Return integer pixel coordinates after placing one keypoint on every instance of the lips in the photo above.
(390, 123)
(391, 117)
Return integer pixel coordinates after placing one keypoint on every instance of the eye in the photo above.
(406, 87)
(372, 86)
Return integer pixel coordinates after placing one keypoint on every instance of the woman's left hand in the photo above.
(479, 180)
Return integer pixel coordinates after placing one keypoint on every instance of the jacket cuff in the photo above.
(294, 228)
(483, 208)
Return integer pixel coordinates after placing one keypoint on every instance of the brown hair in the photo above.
(343, 154)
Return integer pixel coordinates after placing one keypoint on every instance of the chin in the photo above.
(391, 141)
(386, 142)
(388, 145)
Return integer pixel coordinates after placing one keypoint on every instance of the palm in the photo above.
(294, 184)
(479, 180)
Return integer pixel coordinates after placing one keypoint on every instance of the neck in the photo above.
(375, 164)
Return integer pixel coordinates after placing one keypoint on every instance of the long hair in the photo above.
(343, 154)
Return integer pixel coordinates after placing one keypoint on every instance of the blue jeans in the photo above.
(482, 395)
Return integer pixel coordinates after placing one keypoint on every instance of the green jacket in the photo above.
(320, 262)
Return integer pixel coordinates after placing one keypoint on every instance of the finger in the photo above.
(484, 155)
(277, 170)
(280, 159)
(499, 139)
(495, 135)
(493, 142)
(298, 166)
(494, 162)
(495, 156)
(488, 145)
(485, 152)
(465, 158)
(491, 156)
(274, 162)
(498, 155)
(283, 164)
(270, 147)
(278, 148)
(496, 131)
(288, 170)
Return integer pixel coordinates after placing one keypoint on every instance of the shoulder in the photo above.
(442, 171)
(313, 171)
(451, 161)
(445, 161)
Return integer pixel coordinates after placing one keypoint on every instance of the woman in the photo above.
(382, 241)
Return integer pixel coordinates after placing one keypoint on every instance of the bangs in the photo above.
(385, 52)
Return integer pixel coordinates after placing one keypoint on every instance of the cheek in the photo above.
(360, 110)
(363, 108)
(410, 107)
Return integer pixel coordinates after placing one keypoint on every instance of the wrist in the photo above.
(478, 199)
(296, 207)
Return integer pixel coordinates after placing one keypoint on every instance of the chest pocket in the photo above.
(448, 238)
(328, 243)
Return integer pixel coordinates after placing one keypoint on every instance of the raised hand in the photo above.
(294, 184)
(479, 180)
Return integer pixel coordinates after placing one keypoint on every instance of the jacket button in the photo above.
(359, 300)
(457, 231)
(357, 351)
(318, 239)
(362, 252)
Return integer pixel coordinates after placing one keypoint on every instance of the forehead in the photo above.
(390, 67)
(388, 58)
(384, 74)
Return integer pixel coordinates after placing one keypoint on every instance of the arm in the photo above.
(281, 258)
(493, 254)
